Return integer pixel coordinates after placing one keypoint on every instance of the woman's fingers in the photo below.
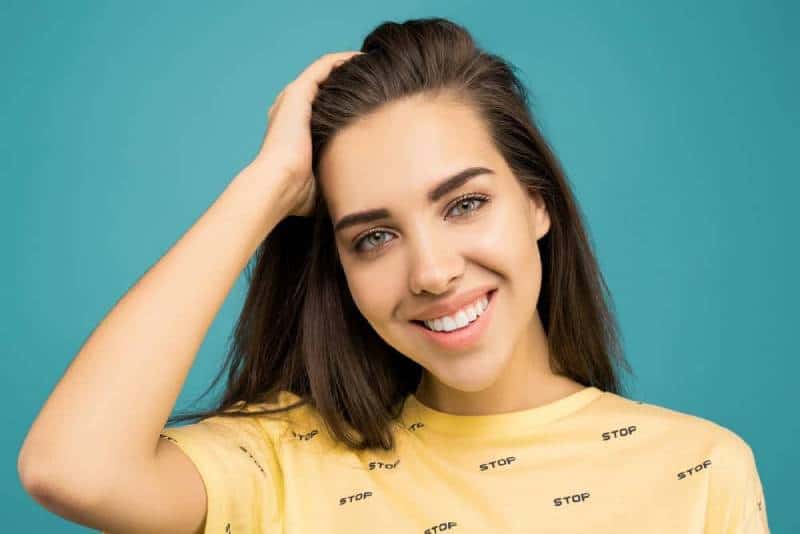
(308, 81)
(319, 70)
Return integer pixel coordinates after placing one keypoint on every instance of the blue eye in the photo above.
(482, 199)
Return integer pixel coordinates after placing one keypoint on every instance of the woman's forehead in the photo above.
(411, 144)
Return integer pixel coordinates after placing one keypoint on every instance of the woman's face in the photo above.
(426, 251)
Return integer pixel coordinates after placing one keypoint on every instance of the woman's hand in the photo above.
(287, 143)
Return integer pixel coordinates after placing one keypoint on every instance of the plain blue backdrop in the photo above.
(677, 124)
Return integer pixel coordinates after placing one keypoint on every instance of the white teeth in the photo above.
(461, 318)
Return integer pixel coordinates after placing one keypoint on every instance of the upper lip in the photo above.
(453, 304)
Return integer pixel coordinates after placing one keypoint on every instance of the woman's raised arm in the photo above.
(98, 432)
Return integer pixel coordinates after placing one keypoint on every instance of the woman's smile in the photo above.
(460, 338)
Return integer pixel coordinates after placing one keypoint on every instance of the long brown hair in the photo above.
(299, 329)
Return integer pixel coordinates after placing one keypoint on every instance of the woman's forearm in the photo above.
(108, 409)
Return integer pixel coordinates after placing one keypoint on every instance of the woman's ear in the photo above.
(540, 218)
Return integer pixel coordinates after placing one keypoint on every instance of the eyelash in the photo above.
(470, 196)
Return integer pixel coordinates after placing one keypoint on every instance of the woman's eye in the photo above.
(459, 203)
(367, 239)
(466, 201)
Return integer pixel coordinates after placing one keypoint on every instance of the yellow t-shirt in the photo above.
(592, 462)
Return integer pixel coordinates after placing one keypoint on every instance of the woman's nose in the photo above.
(433, 266)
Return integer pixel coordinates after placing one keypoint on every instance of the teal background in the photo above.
(677, 124)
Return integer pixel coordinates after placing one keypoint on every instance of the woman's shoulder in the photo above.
(286, 418)
(277, 410)
(262, 416)
(674, 425)
(282, 399)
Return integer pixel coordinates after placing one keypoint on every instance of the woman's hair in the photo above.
(299, 329)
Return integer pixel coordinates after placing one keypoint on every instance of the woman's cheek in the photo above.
(375, 305)
(493, 240)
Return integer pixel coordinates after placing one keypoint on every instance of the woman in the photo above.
(425, 346)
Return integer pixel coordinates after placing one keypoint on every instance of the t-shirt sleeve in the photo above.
(755, 514)
(736, 496)
(237, 461)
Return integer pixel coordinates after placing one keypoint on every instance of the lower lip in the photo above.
(462, 338)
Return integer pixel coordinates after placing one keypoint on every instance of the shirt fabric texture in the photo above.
(592, 461)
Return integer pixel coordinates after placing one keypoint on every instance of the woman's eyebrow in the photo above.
(438, 191)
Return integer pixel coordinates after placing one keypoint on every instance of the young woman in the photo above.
(426, 344)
